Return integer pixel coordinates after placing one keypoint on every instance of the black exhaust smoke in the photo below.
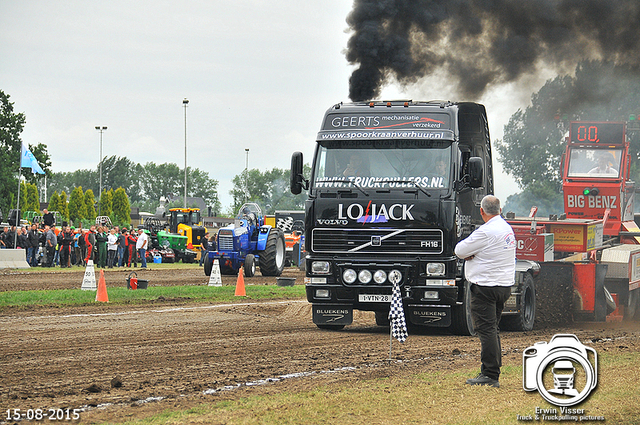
(478, 43)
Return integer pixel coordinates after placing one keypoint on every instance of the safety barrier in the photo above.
(13, 259)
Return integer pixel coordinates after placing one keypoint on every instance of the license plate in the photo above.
(364, 298)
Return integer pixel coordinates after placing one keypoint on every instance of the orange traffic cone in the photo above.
(240, 292)
(101, 294)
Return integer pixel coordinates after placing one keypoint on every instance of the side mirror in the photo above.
(298, 181)
(476, 172)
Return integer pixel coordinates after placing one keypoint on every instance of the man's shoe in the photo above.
(483, 380)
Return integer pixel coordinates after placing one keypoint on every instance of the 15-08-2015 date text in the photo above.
(43, 414)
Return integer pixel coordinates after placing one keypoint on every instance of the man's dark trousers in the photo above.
(487, 303)
(51, 252)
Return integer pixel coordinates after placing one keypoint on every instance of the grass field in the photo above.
(440, 398)
(400, 398)
(194, 293)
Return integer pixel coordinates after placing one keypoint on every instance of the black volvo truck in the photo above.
(394, 186)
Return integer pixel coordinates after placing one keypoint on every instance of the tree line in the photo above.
(144, 184)
(79, 206)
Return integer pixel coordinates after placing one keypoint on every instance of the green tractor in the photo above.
(167, 245)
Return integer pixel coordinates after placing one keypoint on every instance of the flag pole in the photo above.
(390, 341)
(15, 234)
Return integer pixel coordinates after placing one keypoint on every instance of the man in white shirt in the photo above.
(141, 246)
(490, 266)
(112, 248)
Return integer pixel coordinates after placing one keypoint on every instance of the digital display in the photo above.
(606, 133)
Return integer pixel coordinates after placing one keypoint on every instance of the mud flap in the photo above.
(333, 314)
(432, 315)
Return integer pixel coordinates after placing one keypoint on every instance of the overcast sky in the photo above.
(258, 75)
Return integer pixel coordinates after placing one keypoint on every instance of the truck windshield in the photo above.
(383, 164)
(596, 163)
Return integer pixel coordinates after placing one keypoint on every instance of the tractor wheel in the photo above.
(523, 321)
(208, 265)
(461, 323)
(272, 257)
(249, 265)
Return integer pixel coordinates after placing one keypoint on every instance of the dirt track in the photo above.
(166, 356)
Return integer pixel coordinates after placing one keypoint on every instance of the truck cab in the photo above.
(394, 187)
(595, 175)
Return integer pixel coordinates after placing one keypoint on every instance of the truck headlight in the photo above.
(380, 277)
(395, 276)
(435, 269)
(349, 276)
(322, 293)
(431, 295)
(320, 267)
(364, 276)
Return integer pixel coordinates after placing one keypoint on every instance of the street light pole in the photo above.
(101, 130)
(246, 176)
(185, 102)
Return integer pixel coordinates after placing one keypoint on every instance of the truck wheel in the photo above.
(271, 259)
(461, 323)
(249, 265)
(523, 321)
(382, 318)
(331, 327)
(207, 266)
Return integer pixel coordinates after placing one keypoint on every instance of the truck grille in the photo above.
(377, 241)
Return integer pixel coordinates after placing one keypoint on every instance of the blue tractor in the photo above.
(249, 242)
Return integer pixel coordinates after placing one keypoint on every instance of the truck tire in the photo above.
(461, 323)
(249, 265)
(272, 257)
(632, 312)
(524, 320)
(207, 266)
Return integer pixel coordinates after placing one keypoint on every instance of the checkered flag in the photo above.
(285, 224)
(396, 315)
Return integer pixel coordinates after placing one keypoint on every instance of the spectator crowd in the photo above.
(49, 246)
